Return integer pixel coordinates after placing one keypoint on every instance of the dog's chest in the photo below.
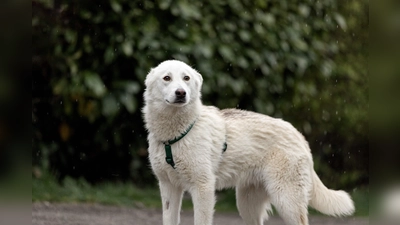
(192, 162)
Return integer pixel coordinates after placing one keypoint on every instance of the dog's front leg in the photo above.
(171, 197)
(203, 197)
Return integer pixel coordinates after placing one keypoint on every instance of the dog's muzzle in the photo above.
(180, 96)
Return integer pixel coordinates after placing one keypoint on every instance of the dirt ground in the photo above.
(95, 214)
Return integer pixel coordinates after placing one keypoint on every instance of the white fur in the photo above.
(267, 160)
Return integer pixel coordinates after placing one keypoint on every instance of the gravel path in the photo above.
(95, 214)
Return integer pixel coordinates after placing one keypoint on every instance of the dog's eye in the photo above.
(186, 78)
(167, 78)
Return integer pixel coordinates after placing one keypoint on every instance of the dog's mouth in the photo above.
(177, 101)
(180, 100)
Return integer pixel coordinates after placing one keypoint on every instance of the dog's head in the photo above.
(174, 83)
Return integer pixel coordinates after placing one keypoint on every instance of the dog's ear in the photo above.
(199, 80)
(149, 77)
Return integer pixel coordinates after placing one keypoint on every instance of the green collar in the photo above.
(167, 146)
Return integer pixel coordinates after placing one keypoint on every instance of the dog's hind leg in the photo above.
(289, 196)
(252, 203)
(291, 207)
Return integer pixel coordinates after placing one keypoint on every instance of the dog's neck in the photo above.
(165, 122)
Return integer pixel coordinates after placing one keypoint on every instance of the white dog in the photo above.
(199, 148)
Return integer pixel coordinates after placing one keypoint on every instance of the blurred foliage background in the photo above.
(305, 62)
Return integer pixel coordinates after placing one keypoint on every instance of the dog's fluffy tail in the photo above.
(330, 202)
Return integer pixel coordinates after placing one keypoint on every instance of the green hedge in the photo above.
(297, 61)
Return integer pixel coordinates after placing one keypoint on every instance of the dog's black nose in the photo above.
(180, 93)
